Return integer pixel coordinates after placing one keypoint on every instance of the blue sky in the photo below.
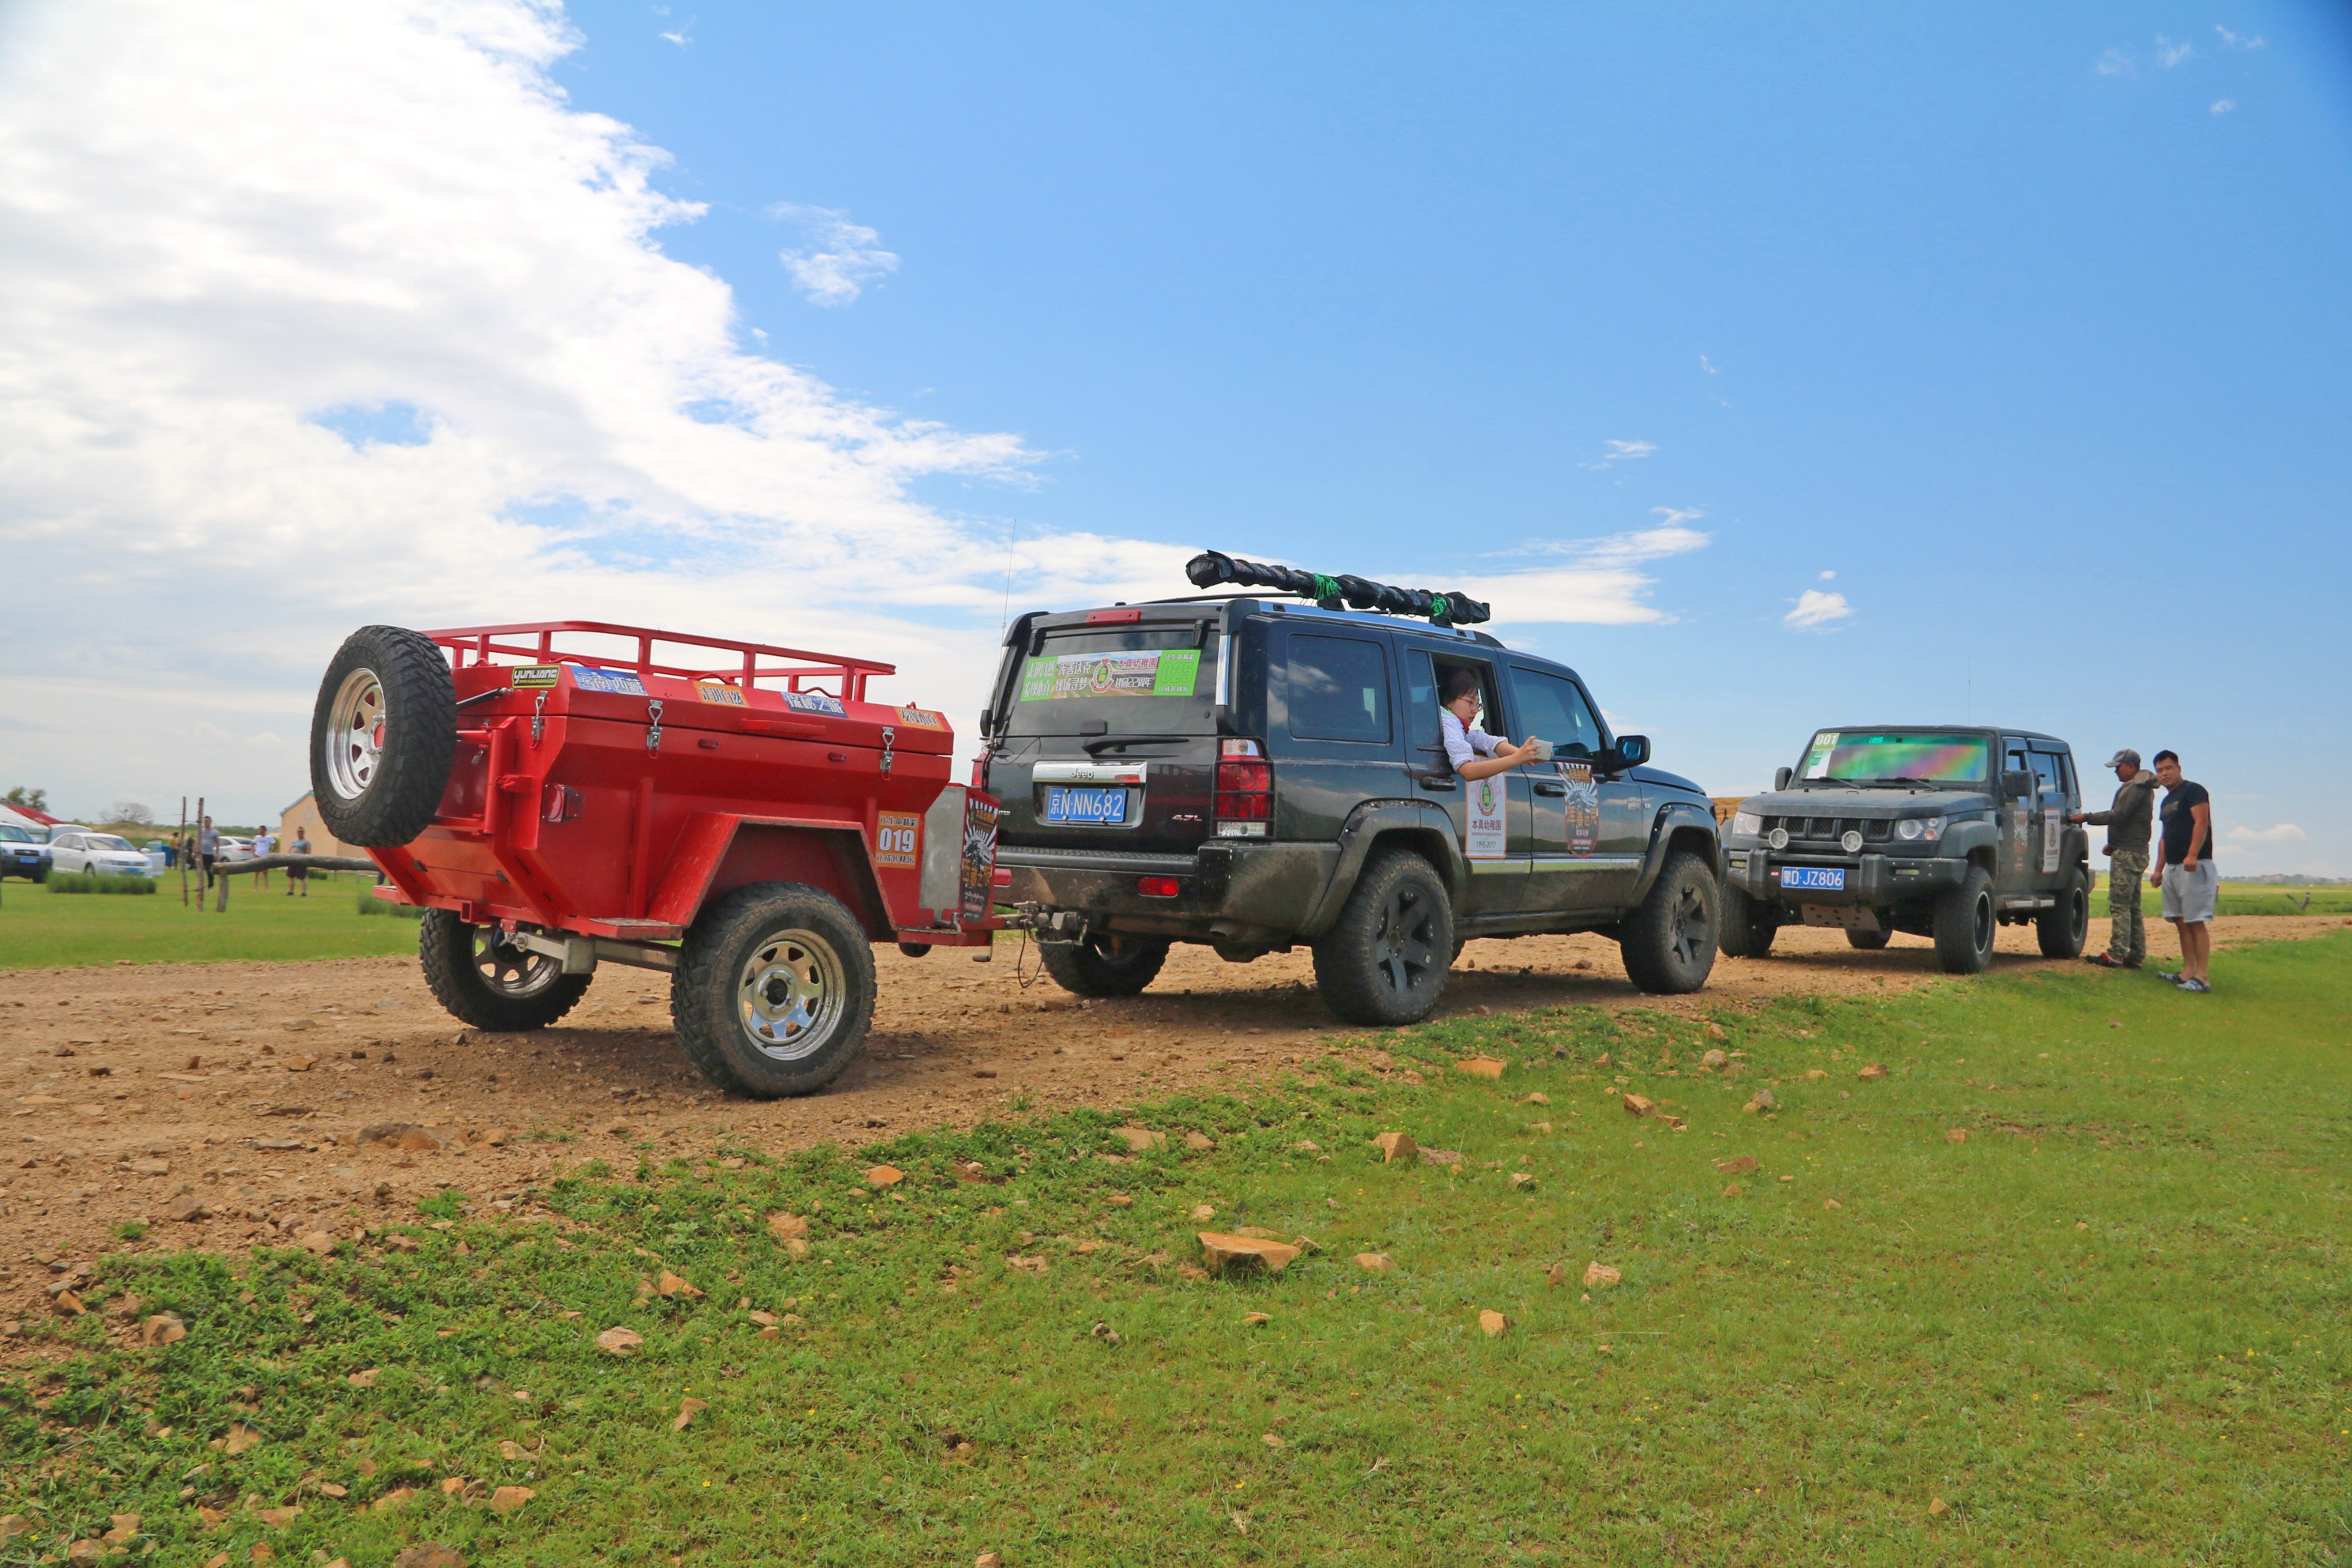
(1992, 312)
(2005, 349)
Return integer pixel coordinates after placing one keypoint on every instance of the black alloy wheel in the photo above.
(1965, 925)
(1103, 964)
(2065, 926)
(1669, 942)
(1748, 925)
(1384, 961)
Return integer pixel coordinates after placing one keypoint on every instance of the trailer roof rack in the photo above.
(741, 669)
(1212, 567)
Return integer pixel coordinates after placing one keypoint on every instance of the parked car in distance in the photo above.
(22, 855)
(104, 853)
(1938, 831)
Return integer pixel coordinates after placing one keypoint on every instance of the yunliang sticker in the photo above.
(1157, 672)
(542, 675)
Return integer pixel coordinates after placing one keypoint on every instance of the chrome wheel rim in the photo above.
(1403, 944)
(354, 737)
(509, 968)
(791, 995)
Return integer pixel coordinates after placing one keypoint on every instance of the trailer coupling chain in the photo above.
(889, 738)
(653, 728)
(537, 718)
(1055, 927)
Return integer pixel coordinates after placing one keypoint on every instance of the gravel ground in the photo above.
(219, 1104)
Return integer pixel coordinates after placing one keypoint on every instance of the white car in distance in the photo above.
(105, 854)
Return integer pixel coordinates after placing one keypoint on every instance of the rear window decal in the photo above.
(1156, 672)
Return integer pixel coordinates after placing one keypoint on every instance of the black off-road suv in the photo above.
(1940, 832)
(1250, 775)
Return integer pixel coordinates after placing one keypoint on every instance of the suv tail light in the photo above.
(1244, 801)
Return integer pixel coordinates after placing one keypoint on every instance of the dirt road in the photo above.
(231, 1092)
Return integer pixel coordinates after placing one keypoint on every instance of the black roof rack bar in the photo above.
(1211, 567)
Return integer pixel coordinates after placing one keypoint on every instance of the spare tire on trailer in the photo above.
(383, 737)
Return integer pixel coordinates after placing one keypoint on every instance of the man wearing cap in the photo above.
(2128, 822)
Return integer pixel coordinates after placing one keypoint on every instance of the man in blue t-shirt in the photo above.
(2184, 870)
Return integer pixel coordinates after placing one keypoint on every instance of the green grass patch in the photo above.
(97, 882)
(260, 924)
(2245, 899)
(369, 904)
(2110, 1324)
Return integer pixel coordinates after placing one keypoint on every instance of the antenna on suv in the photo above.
(1210, 568)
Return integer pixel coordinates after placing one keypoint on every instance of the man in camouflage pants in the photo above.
(2129, 822)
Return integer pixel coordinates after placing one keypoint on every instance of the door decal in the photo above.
(2051, 838)
(1483, 833)
(1584, 807)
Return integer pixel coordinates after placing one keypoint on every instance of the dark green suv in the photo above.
(1940, 832)
(1253, 775)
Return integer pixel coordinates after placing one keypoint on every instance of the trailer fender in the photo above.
(718, 852)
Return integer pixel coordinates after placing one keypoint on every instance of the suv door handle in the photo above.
(1439, 783)
(1550, 786)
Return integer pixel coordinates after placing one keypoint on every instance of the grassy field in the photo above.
(2109, 1323)
(2247, 898)
(39, 928)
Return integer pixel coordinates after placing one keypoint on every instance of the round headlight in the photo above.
(1778, 839)
(1851, 841)
(1909, 827)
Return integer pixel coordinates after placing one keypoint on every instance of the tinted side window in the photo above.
(1552, 708)
(1420, 703)
(1339, 689)
(2047, 773)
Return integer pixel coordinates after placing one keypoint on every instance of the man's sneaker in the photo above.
(2104, 962)
(2128, 962)
(2199, 987)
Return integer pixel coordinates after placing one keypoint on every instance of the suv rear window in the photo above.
(1339, 689)
(1133, 680)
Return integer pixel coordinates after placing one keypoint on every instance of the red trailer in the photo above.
(741, 816)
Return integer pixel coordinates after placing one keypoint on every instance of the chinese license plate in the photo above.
(1087, 808)
(1831, 878)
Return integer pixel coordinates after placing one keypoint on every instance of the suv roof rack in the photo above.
(1211, 567)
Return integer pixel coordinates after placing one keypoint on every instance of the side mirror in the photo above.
(987, 717)
(1632, 750)
(2017, 783)
(1780, 778)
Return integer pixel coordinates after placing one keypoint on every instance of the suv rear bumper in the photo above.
(1237, 894)
(1870, 879)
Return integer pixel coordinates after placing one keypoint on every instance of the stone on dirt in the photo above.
(1598, 1274)
(1395, 1146)
(1737, 1165)
(1139, 1138)
(1481, 1066)
(430, 1554)
(403, 1135)
(1638, 1104)
(1376, 1262)
(163, 1329)
(619, 1341)
(1492, 1323)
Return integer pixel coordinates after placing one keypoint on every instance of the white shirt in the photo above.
(1462, 743)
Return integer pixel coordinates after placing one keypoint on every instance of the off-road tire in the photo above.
(378, 767)
(1965, 925)
(1748, 925)
(1868, 940)
(773, 991)
(1384, 960)
(2062, 928)
(520, 990)
(1104, 963)
(1669, 942)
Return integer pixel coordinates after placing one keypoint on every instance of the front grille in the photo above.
(1830, 829)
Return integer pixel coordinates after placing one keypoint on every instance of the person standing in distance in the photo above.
(2128, 822)
(207, 849)
(301, 874)
(2184, 870)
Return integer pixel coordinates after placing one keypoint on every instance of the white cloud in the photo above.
(223, 230)
(1829, 577)
(682, 37)
(2114, 62)
(2239, 40)
(1815, 610)
(839, 258)
(1598, 583)
(1621, 452)
(2223, 106)
(1705, 366)
(2283, 833)
(2169, 54)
